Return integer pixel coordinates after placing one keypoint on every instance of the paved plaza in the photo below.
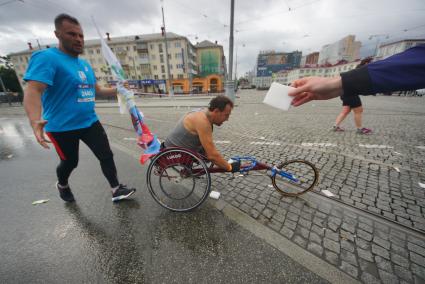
(373, 228)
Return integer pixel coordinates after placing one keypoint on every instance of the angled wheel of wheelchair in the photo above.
(178, 179)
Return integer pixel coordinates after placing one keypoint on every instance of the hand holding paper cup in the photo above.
(277, 96)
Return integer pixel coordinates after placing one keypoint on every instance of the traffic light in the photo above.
(162, 31)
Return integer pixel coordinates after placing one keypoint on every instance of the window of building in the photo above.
(162, 68)
(151, 46)
(169, 56)
(155, 77)
(160, 47)
(180, 76)
(153, 56)
(134, 48)
(98, 51)
(177, 44)
(128, 48)
(155, 67)
(171, 66)
(90, 51)
(163, 76)
(161, 58)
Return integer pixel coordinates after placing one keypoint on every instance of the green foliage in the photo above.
(10, 80)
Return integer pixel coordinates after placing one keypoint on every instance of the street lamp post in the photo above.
(230, 90)
(170, 81)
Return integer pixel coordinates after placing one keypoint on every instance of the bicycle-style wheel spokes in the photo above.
(295, 177)
(178, 180)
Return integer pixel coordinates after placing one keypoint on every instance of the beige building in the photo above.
(388, 49)
(141, 56)
(288, 76)
(347, 49)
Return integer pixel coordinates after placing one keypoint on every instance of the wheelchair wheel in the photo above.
(295, 177)
(178, 180)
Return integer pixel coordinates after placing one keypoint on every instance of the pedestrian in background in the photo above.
(354, 104)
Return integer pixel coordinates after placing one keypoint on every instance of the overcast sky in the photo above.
(281, 25)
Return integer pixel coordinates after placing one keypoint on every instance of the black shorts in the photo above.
(351, 101)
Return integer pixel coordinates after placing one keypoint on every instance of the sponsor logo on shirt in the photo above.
(83, 76)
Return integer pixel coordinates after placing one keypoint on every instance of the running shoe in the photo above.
(364, 130)
(122, 192)
(65, 192)
(338, 129)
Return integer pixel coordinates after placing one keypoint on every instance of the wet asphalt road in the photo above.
(135, 241)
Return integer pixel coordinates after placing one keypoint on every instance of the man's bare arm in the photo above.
(204, 130)
(32, 105)
(106, 92)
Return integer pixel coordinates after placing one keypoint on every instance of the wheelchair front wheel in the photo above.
(295, 177)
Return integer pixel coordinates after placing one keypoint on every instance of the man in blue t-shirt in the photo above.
(59, 101)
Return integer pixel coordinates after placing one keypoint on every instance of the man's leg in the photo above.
(358, 117)
(342, 115)
(66, 145)
(96, 139)
(358, 113)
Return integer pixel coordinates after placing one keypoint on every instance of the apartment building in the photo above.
(388, 49)
(287, 76)
(347, 49)
(141, 56)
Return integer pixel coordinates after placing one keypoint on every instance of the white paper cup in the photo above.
(215, 194)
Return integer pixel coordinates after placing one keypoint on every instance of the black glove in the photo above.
(236, 166)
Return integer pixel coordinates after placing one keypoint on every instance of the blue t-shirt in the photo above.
(68, 101)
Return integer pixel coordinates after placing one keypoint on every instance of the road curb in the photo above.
(298, 254)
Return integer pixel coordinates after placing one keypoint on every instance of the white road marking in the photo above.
(222, 142)
(305, 144)
(421, 184)
(373, 146)
(265, 143)
(130, 138)
(421, 147)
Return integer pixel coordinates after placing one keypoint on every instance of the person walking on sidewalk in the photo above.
(60, 102)
(354, 104)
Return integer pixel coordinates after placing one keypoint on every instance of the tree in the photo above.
(8, 76)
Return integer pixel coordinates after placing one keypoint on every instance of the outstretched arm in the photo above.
(106, 92)
(203, 128)
(32, 105)
(315, 88)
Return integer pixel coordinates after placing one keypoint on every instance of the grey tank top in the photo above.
(181, 137)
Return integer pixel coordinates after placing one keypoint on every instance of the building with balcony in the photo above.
(286, 77)
(141, 56)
